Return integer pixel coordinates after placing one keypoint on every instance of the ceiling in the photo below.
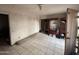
(57, 8)
(46, 9)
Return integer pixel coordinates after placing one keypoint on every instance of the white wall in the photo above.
(22, 23)
(22, 26)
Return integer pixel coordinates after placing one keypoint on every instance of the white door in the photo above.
(71, 31)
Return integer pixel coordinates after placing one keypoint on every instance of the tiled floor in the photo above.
(37, 44)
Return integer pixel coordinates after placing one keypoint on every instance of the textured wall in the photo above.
(22, 26)
(23, 22)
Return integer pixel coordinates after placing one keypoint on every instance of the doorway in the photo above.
(4, 29)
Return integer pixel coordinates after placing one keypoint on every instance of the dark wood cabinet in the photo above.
(44, 26)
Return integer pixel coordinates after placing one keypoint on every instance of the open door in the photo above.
(71, 31)
(4, 30)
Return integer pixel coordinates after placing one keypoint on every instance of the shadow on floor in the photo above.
(4, 41)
